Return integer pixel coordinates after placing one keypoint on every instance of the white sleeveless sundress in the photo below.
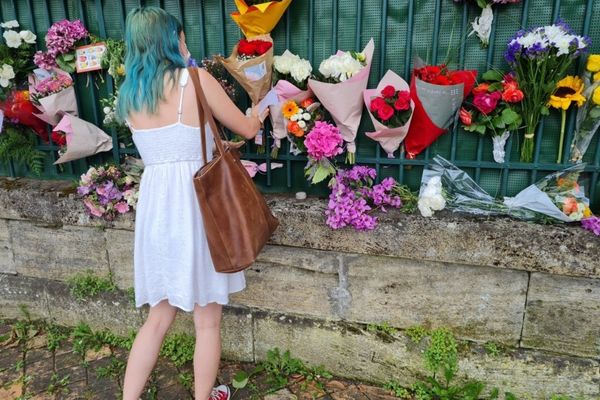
(171, 255)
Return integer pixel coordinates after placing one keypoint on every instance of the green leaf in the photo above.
(240, 380)
(545, 110)
(492, 75)
(320, 174)
(480, 129)
(497, 122)
(482, 3)
(494, 87)
(509, 116)
(68, 56)
(594, 113)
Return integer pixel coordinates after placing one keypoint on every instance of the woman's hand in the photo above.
(256, 113)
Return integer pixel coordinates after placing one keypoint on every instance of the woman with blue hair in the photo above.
(172, 264)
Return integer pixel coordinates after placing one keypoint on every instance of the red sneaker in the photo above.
(220, 393)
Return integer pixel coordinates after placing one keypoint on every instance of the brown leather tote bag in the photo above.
(237, 219)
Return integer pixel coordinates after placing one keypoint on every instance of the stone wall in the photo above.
(533, 289)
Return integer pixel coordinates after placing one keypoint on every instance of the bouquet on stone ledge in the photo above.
(323, 143)
(290, 75)
(540, 58)
(557, 197)
(491, 110)
(438, 93)
(300, 119)
(339, 86)
(258, 17)
(107, 191)
(53, 93)
(61, 40)
(588, 116)
(390, 108)
(251, 64)
(354, 198)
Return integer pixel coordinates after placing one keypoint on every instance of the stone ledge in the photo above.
(459, 239)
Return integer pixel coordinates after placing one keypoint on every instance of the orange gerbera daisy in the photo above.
(289, 108)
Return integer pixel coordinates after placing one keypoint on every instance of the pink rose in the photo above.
(486, 102)
(122, 207)
(386, 112)
(403, 101)
(388, 92)
(377, 103)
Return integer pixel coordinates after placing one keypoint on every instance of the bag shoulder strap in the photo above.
(204, 113)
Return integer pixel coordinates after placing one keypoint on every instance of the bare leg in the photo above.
(207, 353)
(145, 349)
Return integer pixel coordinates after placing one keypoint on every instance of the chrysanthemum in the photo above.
(289, 109)
(568, 90)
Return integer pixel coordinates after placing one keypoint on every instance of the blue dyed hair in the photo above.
(152, 50)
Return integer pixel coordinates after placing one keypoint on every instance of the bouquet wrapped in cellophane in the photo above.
(588, 116)
(557, 197)
(53, 94)
(258, 17)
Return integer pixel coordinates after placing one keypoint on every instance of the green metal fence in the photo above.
(402, 29)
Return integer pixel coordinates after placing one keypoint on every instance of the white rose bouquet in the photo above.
(16, 54)
(339, 86)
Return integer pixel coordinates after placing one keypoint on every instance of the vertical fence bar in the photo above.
(288, 40)
(334, 27)
(382, 51)
(461, 62)
(434, 45)
(359, 16)
(407, 72)
(311, 31)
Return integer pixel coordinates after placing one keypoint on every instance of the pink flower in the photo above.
(96, 211)
(403, 101)
(44, 60)
(386, 112)
(377, 103)
(323, 141)
(122, 207)
(486, 102)
(388, 92)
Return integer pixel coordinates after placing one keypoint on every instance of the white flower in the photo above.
(6, 74)
(306, 116)
(283, 64)
(424, 209)
(302, 124)
(301, 70)
(106, 110)
(10, 24)
(28, 36)
(437, 202)
(13, 39)
(294, 117)
(482, 25)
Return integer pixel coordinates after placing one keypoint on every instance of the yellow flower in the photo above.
(121, 70)
(568, 90)
(593, 63)
(596, 96)
(289, 109)
(587, 212)
(596, 77)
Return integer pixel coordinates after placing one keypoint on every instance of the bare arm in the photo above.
(226, 111)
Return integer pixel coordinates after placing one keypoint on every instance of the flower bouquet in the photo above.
(218, 71)
(113, 60)
(482, 25)
(251, 64)
(107, 191)
(390, 108)
(53, 94)
(438, 93)
(491, 110)
(258, 17)
(342, 79)
(81, 139)
(568, 90)
(556, 197)
(354, 198)
(540, 57)
(323, 143)
(15, 57)
(18, 109)
(588, 116)
(300, 119)
(290, 75)
(61, 40)
(110, 120)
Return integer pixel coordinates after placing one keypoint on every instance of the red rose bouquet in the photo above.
(251, 64)
(438, 93)
(491, 110)
(390, 108)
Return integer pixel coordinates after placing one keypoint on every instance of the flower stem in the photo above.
(562, 135)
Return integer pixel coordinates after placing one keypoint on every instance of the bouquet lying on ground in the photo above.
(491, 110)
(540, 58)
(588, 116)
(61, 40)
(300, 119)
(290, 75)
(15, 57)
(53, 95)
(482, 25)
(108, 191)
(390, 108)
(79, 139)
(251, 64)
(323, 143)
(339, 86)
(258, 17)
(354, 198)
(557, 197)
(438, 93)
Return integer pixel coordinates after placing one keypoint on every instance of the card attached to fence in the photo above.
(89, 57)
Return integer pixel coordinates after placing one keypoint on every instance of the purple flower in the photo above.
(192, 62)
(592, 224)
(44, 60)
